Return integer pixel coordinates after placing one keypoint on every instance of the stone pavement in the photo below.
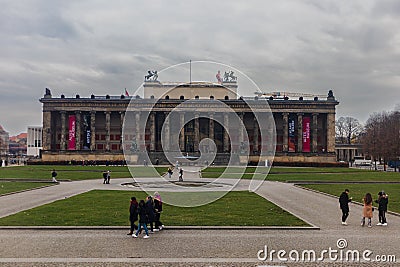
(212, 247)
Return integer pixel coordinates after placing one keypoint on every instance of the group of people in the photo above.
(180, 172)
(368, 209)
(148, 212)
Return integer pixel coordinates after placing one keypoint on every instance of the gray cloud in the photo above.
(310, 46)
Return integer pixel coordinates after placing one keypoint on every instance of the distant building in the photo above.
(17, 144)
(347, 152)
(90, 128)
(34, 141)
(4, 136)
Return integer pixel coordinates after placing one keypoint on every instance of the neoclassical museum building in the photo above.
(91, 128)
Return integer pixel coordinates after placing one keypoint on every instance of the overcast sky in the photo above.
(101, 47)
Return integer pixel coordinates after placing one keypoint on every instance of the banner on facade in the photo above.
(292, 136)
(306, 134)
(71, 132)
(87, 132)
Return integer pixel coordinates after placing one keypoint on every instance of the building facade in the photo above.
(4, 137)
(34, 141)
(91, 128)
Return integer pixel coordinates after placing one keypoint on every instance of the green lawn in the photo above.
(285, 174)
(110, 208)
(43, 172)
(358, 191)
(8, 187)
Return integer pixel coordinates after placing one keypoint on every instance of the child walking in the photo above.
(142, 220)
(367, 210)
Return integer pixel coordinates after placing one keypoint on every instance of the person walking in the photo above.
(367, 210)
(53, 176)
(382, 207)
(344, 200)
(108, 177)
(142, 220)
(104, 177)
(181, 175)
(149, 205)
(158, 210)
(169, 171)
(133, 214)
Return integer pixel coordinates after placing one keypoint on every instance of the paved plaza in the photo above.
(207, 247)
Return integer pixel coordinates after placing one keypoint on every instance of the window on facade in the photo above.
(114, 147)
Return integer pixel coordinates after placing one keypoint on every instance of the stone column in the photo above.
(211, 126)
(63, 121)
(137, 131)
(166, 132)
(315, 132)
(182, 133)
(210, 130)
(241, 130)
(46, 133)
(285, 125)
(152, 132)
(122, 116)
(255, 142)
(78, 131)
(93, 130)
(196, 132)
(226, 134)
(299, 132)
(330, 124)
(108, 130)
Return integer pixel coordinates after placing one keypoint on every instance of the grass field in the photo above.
(358, 191)
(43, 172)
(8, 187)
(283, 174)
(110, 208)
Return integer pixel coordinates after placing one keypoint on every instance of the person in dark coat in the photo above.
(142, 220)
(133, 214)
(53, 176)
(150, 212)
(105, 177)
(344, 200)
(382, 201)
(158, 210)
(180, 175)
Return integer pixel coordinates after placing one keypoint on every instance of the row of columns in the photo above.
(78, 130)
(314, 133)
(152, 124)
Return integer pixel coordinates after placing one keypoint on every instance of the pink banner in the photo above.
(306, 134)
(71, 132)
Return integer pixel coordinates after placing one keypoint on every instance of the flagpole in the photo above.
(190, 75)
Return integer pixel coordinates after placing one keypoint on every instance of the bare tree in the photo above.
(348, 130)
(382, 136)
